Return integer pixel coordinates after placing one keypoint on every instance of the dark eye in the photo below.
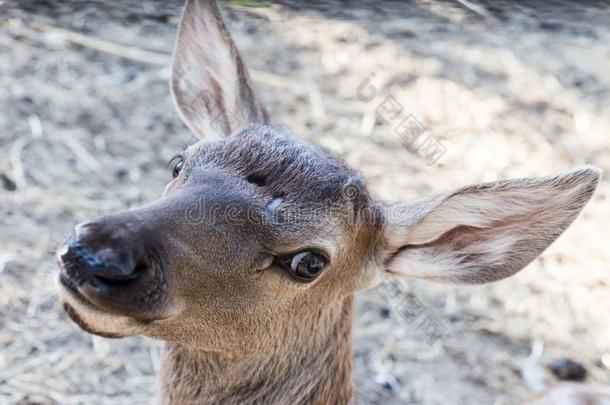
(306, 266)
(176, 164)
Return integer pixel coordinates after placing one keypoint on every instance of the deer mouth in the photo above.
(70, 286)
(92, 317)
(84, 325)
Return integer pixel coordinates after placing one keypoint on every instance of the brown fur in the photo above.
(312, 367)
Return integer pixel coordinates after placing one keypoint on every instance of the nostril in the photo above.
(114, 274)
(76, 252)
(101, 266)
(112, 281)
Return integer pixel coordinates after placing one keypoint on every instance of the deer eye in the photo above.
(306, 266)
(176, 163)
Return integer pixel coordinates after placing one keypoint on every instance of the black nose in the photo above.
(102, 255)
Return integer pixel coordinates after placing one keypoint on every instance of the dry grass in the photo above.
(509, 89)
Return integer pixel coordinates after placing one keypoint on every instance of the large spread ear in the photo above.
(210, 83)
(485, 232)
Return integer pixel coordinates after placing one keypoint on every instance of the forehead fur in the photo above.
(289, 167)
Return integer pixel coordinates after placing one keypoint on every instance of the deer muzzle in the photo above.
(115, 264)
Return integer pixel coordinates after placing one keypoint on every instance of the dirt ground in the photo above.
(508, 89)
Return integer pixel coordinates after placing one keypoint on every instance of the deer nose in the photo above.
(103, 255)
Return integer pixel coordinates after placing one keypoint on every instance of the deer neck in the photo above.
(312, 366)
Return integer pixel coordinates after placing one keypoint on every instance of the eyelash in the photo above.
(174, 158)
(176, 163)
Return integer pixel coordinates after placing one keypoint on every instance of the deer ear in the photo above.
(210, 83)
(485, 232)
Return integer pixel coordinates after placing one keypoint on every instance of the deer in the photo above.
(247, 265)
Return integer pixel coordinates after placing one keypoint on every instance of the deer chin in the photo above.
(93, 319)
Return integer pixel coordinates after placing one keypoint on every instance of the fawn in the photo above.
(247, 265)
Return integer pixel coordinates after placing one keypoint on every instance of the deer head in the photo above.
(260, 230)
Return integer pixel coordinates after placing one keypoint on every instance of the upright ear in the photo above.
(485, 232)
(210, 83)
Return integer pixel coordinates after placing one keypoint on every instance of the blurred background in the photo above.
(504, 89)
